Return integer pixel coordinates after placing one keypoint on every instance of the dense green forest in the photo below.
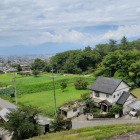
(121, 60)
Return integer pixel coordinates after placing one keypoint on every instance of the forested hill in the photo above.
(112, 59)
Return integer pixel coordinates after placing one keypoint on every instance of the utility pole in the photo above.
(54, 93)
(15, 91)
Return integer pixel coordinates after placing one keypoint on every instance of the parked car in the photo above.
(133, 113)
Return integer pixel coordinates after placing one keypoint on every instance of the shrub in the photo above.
(85, 96)
(63, 85)
(35, 73)
(80, 84)
(116, 109)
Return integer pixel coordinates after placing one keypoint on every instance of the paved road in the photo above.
(6, 104)
(79, 123)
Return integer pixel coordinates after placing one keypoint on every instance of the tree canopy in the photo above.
(120, 60)
(23, 123)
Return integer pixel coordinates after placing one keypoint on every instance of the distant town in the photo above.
(6, 62)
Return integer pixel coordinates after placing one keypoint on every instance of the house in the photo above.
(72, 110)
(4, 112)
(107, 92)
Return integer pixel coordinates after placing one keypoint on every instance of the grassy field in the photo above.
(91, 133)
(38, 91)
(136, 92)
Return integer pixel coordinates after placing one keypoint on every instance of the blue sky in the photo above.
(50, 26)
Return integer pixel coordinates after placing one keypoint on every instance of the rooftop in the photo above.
(106, 85)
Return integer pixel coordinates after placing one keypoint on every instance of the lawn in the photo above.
(45, 99)
(136, 92)
(91, 133)
(38, 91)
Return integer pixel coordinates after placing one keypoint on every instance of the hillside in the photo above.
(38, 91)
(90, 133)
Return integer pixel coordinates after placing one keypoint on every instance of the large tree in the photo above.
(124, 43)
(23, 123)
(38, 64)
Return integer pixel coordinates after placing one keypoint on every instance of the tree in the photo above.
(124, 43)
(35, 73)
(38, 64)
(63, 85)
(81, 84)
(58, 124)
(23, 123)
(18, 67)
(90, 104)
(1, 72)
(85, 96)
(112, 45)
(116, 109)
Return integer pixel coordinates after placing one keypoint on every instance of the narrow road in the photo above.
(80, 124)
(6, 104)
(81, 121)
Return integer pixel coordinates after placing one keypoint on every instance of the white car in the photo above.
(133, 113)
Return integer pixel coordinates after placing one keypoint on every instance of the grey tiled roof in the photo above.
(123, 98)
(106, 85)
(106, 102)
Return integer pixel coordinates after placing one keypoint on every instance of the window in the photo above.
(75, 109)
(97, 94)
(114, 96)
(118, 94)
(107, 96)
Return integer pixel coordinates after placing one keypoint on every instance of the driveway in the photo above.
(6, 104)
(81, 121)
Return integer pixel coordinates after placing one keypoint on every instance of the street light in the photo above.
(54, 92)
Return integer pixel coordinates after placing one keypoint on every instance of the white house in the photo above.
(72, 110)
(109, 91)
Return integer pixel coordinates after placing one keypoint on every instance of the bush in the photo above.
(80, 84)
(132, 85)
(35, 73)
(63, 85)
(85, 96)
(116, 109)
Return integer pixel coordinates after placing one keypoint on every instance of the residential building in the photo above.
(107, 92)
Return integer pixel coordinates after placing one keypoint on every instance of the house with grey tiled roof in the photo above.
(107, 92)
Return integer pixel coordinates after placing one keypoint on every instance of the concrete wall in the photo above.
(71, 114)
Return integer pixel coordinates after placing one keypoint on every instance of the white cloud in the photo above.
(32, 22)
(128, 30)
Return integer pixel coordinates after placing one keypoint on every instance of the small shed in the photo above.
(44, 123)
(73, 109)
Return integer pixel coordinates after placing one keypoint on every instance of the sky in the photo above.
(51, 26)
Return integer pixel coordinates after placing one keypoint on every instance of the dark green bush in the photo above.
(80, 84)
